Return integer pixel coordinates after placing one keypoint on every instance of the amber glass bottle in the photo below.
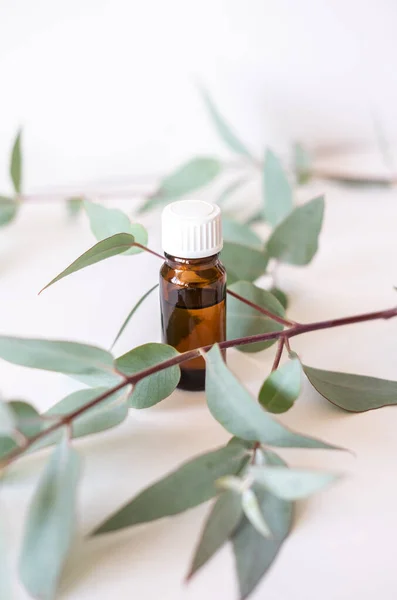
(192, 283)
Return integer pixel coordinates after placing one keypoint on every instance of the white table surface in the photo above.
(342, 545)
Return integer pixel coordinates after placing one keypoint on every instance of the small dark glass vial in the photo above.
(192, 283)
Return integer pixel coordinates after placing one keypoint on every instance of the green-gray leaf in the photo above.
(302, 164)
(254, 553)
(243, 262)
(28, 422)
(282, 387)
(277, 192)
(8, 422)
(132, 312)
(53, 355)
(189, 485)
(240, 233)
(243, 320)
(281, 296)
(8, 210)
(355, 393)
(156, 387)
(235, 409)
(295, 240)
(187, 178)
(253, 513)
(50, 524)
(109, 413)
(105, 222)
(224, 130)
(74, 205)
(291, 484)
(221, 522)
(16, 164)
(117, 244)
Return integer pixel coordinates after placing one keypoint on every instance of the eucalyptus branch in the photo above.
(264, 311)
(351, 179)
(293, 331)
(52, 197)
(260, 309)
(280, 348)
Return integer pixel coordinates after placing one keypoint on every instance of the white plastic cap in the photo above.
(191, 229)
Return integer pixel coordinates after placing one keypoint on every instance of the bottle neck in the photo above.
(204, 262)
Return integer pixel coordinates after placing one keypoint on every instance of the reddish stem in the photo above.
(264, 311)
(280, 348)
(185, 356)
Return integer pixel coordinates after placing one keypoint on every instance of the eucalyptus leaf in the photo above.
(16, 163)
(8, 422)
(302, 164)
(156, 387)
(243, 262)
(253, 512)
(244, 320)
(28, 423)
(50, 524)
(8, 210)
(106, 415)
(277, 191)
(282, 387)
(53, 355)
(189, 485)
(254, 554)
(117, 244)
(281, 296)
(132, 312)
(355, 393)
(240, 233)
(223, 519)
(291, 484)
(230, 190)
(190, 176)
(235, 409)
(295, 240)
(74, 205)
(223, 129)
(106, 222)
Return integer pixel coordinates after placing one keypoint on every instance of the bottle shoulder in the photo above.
(193, 274)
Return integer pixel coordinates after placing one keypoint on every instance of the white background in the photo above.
(106, 92)
(107, 88)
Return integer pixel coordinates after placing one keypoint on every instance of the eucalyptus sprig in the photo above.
(252, 488)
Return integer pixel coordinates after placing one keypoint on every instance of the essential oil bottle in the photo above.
(192, 283)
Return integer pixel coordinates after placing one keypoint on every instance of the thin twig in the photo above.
(185, 356)
(351, 179)
(149, 250)
(280, 348)
(262, 310)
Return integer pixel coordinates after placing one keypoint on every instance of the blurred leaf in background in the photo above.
(224, 130)
(16, 163)
(277, 191)
(50, 524)
(302, 164)
(190, 176)
(105, 222)
(295, 240)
